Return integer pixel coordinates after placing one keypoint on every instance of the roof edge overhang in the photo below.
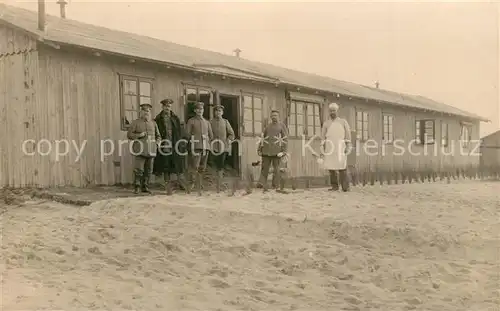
(40, 37)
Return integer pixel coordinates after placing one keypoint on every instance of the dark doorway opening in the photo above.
(232, 114)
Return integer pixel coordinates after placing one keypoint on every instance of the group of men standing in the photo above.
(160, 146)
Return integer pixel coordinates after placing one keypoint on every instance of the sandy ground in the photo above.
(400, 247)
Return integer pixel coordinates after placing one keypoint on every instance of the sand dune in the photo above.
(400, 247)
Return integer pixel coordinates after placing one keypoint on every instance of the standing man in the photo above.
(336, 145)
(223, 136)
(145, 136)
(169, 160)
(199, 133)
(273, 146)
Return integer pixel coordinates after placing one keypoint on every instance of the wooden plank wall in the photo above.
(18, 106)
(490, 151)
(390, 156)
(78, 101)
(84, 108)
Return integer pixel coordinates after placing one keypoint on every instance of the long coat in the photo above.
(178, 145)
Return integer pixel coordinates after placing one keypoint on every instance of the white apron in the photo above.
(335, 157)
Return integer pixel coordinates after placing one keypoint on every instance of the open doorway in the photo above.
(232, 113)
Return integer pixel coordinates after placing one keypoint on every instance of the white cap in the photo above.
(333, 106)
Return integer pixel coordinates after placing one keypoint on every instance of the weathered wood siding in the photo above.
(490, 150)
(80, 96)
(390, 156)
(73, 96)
(19, 111)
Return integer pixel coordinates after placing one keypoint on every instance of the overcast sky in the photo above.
(448, 51)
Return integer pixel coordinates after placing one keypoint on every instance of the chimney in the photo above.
(41, 15)
(237, 52)
(377, 84)
(62, 6)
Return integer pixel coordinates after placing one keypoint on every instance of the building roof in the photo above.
(70, 32)
(491, 135)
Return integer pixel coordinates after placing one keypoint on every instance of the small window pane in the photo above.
(310, 130)
(247, 101)
(293, 131)
(145, 89)
(310, 120)
(365, 116)
(257, 114)
(130, 102)
(257, 103)
(318, 130)
(300, 108)
(291, 120)
(130, 116)
(300, 130)
(257, 127)
(145, 100)
(191, 95)
(292, 107)
(205, 97)
(300, 119)
(248, 126)
(247, 114)
(316, 110)
(129, 87)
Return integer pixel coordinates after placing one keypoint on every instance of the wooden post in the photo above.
(308, 183)
(365, 178)
(372, 178)
(380, 176)
(294, 183)
(198, 182)
(235, 185)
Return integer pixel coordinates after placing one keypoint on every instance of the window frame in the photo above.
(390, 131)
(421, 138)
(252, 132)
(198, 88)
(138, 80)
(293, 129)
(445, 134)
(465, 143)
(365, 125)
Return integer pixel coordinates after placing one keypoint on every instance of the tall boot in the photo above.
(334, 181)
(137, 181)
(168, 184)
(145, 184)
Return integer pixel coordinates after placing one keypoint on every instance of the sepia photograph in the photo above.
(249, 155)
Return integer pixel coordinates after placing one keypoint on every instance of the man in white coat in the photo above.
(336, 145)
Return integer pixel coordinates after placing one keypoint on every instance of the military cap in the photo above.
(199, 105)
(146, 106)
(167, 101)
(218, 107)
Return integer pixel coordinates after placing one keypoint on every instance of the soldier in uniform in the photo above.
(199, 133)
(170, 160)
(145, 136)
(223, 136)
(273, 146)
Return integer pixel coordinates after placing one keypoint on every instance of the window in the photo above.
(361, 125)
(193, 95)
(252, 114)
(424, 132)
(134, 91)
(444, 134)
(304, 119)
(465, 135)
(388, 133)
